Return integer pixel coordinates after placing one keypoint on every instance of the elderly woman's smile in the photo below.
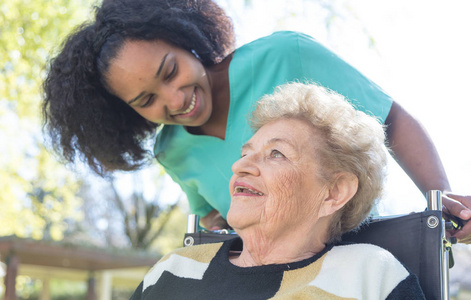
(243, 189)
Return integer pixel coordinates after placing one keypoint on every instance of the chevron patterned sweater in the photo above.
(351, 271)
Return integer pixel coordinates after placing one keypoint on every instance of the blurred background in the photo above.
(417, 51)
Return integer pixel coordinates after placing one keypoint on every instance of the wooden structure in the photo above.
(101, 268)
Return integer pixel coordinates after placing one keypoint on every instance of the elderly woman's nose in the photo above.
(246, 165)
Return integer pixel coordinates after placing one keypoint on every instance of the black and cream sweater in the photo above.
(353, 271)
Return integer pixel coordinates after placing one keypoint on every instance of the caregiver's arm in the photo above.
(214, 221)
(415, 153)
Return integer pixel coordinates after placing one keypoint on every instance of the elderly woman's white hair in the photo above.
(354, 142)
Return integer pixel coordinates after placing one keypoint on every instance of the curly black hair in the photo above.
(83, 119)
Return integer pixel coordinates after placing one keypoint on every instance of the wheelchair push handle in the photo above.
(193, 223)
(434, 200)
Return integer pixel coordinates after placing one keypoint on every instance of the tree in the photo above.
(123, 211)
(38, 194)
(144, 221)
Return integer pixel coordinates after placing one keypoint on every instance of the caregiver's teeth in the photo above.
(192, 105)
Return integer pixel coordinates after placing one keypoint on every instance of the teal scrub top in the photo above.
(201, 164)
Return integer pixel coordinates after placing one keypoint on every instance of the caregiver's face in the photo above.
(163, 83)
(276, 182)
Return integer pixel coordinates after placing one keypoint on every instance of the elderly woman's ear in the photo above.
(342, 190)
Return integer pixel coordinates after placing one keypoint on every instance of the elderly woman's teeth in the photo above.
(240, 189)
(192, 105)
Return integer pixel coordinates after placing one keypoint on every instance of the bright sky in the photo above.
(421, 57)
(424, 65)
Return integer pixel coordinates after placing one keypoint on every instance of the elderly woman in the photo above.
(309, 174)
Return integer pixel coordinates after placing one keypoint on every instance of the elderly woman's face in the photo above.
(275, 182)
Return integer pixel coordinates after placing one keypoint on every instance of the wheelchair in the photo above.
(418, 240)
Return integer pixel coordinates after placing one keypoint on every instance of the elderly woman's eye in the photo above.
(276, 154)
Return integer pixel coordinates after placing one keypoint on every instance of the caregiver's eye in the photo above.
(172, 72)
(276, 154)
(148, 102)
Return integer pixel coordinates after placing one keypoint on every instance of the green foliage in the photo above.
(59, 289)
(29, 31)
(67, 290)
(37, 193)
(173, 231)
(30, 287)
